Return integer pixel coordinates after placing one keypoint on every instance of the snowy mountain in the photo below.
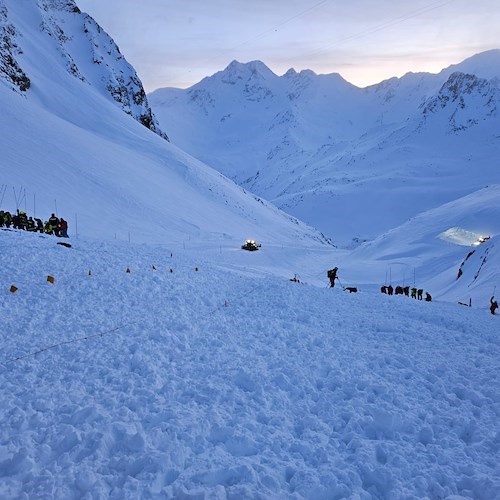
(68, 146)
(52, 39)
(352, 162)
(154, 358)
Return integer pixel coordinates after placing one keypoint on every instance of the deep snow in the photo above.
(225, 382)
(228, 381)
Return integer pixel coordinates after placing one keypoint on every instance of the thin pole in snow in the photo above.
(129, 236)
(76, 225)
(413, 276)
(34, 205)
(15, 198)
(3, 189)
(55, 204)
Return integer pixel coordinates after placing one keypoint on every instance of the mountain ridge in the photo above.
(300, 140)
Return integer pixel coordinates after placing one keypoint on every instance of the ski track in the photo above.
(213, 384)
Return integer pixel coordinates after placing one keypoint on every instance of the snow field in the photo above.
(220, 384)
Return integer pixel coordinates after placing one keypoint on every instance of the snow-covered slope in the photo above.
(204, 372)
(352, 162)
(219, 383)
(432, 249)
(51, 43)
(67, 146)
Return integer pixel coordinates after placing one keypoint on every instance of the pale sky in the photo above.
(176, 43)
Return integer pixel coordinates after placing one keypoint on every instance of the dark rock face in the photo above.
(85, 50)
(466, 99)
(9, 49)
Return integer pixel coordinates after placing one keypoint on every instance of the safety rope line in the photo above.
(113, 330)
(72, 341)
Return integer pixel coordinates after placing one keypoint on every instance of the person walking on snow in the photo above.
(332, 275)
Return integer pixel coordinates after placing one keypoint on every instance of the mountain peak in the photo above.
(484, 65)
(246, 71)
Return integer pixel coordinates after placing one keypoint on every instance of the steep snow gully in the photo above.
(210, 382)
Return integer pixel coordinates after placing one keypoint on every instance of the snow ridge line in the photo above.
(78, 339)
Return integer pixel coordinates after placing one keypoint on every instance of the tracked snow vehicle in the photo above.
(250, 245)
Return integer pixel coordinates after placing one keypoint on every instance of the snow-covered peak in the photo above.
(483, 65)
(82, 58)
(465, 100)
(320, 144)
(253, 70)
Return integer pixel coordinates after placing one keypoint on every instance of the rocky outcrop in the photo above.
(86, 51)
(10, 71)
(465, 99)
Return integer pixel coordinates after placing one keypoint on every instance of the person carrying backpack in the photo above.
(332, 275)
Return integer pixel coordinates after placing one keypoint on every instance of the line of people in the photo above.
(415, 293)
(54, 225)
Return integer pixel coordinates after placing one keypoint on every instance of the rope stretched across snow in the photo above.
(72, 341)
(120, 327)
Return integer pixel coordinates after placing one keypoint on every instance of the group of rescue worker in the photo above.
(54, 225)
(415, 293)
